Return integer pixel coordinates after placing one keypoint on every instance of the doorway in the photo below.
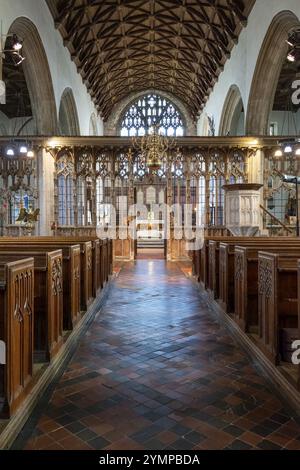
(150, 223)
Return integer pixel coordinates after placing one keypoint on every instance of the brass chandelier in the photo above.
(153, 148)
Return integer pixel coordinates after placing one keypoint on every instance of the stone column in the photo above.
(45, 171)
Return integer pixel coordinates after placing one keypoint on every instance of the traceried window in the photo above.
(65, 184)
(149, 111)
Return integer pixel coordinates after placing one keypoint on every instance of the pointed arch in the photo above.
(111, 125)
(231, 114)
(68, 116)
(270, 61)
(38, 76)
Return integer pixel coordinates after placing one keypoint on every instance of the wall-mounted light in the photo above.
(17, 43)
(291, 57)
(294, 43)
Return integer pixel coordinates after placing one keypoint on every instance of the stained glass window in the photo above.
(149, 111)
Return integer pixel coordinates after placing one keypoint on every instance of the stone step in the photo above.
(143, 243)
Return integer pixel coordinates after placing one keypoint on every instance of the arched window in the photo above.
(65, 194)
(149, 111)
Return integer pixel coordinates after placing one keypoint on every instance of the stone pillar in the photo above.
(46, 169)
(256, 175)
(242, 209)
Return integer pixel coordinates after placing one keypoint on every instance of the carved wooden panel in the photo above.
(267, 281)
(17, 307)
(55, 301)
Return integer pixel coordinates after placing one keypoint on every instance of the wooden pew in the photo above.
(277, 299)
(17, 332)
(97, 265)
(71, 274)
(246, 277)
(86, 265)
(207, 261)
(227, 264)
(97, 283)
(48, 300)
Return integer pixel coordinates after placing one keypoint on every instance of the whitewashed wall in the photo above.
(63, 70)
(239, 69)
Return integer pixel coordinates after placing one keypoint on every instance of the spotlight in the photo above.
(16, 43)
(17, 58)
(291, 57)
(293, 42)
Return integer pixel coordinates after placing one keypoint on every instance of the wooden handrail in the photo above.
(275, 218)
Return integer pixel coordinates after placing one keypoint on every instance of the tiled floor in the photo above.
(156, 371)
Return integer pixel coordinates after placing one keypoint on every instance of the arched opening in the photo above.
(285, 115)
(268, 69)
(233, 115)
(68, 116)
(30, 95)
(93, 125)
(112, 125)
(148, 111)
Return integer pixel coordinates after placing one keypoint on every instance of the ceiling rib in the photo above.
(126, 46)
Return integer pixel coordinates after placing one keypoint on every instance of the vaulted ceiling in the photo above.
(127, 46)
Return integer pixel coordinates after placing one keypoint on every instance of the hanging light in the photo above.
(30, 153)
(10, 151)
(297, 152)
(23, 149)
(153, 147)
(278, 153)
(288, 149)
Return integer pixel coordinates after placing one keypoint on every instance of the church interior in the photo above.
(149, 225)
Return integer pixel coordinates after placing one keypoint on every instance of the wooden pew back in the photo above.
(246, 282)
(71, 274)
(227, 265)
(277, 299)
(48, 300)
(17, 332)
